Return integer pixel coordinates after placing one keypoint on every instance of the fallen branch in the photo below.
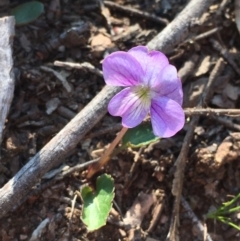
(54, 152)
(136, 12)
(6, 75)
(177, 31)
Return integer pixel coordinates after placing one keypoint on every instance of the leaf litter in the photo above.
(212, 171)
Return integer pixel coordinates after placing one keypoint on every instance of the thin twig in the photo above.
(181, 160)
(84, 65)
(136, 12)
(208, 112)
(168, 37)
(224, 52)
(73, 202)
(207, 94)
(59, 176)
(194, 219)
(204, 35)
(228, 123)
(178, 179)
(211, 112)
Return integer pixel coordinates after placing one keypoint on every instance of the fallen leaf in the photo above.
(139, 209)
(204, 66)
(228, 150)
(100, 43)
(52, 105)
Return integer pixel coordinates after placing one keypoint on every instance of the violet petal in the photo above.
(128, 105)
(152, 62)
(169, 85)
(121, 69)
(167, 117)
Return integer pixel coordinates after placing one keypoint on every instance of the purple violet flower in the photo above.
(152, 85)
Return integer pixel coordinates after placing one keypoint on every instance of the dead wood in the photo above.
(178, 30)
(54, 152)
(6, 74)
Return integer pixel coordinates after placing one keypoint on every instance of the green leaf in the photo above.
(27, 12)
(139, 136)
(97, 205)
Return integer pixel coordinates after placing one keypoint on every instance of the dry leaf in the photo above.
(204, 66)
(100, 43)
(52, 105)
(140, 207)
(228, 150)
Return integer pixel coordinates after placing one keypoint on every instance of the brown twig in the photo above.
(229, 124)
(56, 178)
(136, 12)
(194, 219)
(84, 65)
(211, 112)
(209, 90)
(181, 160)
(178, 179)
(204, 35)
(224, 52)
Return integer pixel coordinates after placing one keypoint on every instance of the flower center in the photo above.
(143, 93)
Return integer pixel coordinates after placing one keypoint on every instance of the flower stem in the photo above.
(106, 155)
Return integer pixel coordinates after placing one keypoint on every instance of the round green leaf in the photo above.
(97, 205)
(139, 136)
(27, 12)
